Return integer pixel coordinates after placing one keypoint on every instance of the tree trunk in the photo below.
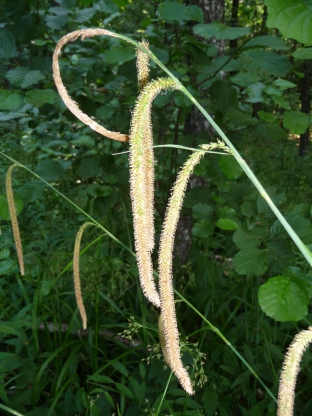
(305, 105)
(234, 18)
(196, 124)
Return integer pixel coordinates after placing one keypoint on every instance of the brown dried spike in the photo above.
(15, 227)
(76, 270)
(72, 105)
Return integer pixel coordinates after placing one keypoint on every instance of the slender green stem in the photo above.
(70, 202)
(8, 409)
(164, 394)
(216, 330)
(302, 247)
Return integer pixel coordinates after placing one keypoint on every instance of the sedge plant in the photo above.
(141, 161)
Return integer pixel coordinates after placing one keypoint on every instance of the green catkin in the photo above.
(138, 184)
(14, 221)
(166, 246)
(291, 367)
(76, 273)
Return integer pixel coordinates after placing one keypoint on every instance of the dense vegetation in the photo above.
(242, 280)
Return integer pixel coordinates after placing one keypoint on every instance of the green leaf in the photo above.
(284, 299)
(161, 54)
(268, 131)
(300, 224)
(50, 170)
(4, 253)
(230, 167)
(16, 75)
(248, 209)
(32, 78)
(296, 121)
(241, 119)
(98, 378)
(119, 54)
(5, 266)
(251, 262)
(210, 401)
(293, 18)
(89, 166)
(7, 44)
(120, 368)
(38, 98)
(303, 53)
(227, 224)
(172, 11)
(244, 79)
(56, 22)
(281, 101)
(219, 31)
(283, 84)
(4, 208)
(223, 96)
(84, 140)
(203, 229)
(267, 41)
(261, 61)
(267, 117)
(8, 100)
(125, 390)
(201, 211)
(195, 13)
(5, 329)
(246, 239)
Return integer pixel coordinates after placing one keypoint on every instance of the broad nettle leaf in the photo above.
(173, 11)
(251, 262)
(38, 98)
(4, 208)
(284, 299)
(50, 170)
(269, 131)
(230, 167)
(296, 121)
(119, 54)
(7, 44)
(272, 63)
(244, 79)
(24, 77)
(245, 239)
(202, 211)
(203, 229)
(89, 166)
(293, 18)
(219, 31)
(9, 100)
(303, 53)
(267, 41)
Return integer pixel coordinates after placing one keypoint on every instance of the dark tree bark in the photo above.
(195, 125)
(305, 105)
(234, 19)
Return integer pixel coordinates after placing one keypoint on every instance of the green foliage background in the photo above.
(243, 272)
